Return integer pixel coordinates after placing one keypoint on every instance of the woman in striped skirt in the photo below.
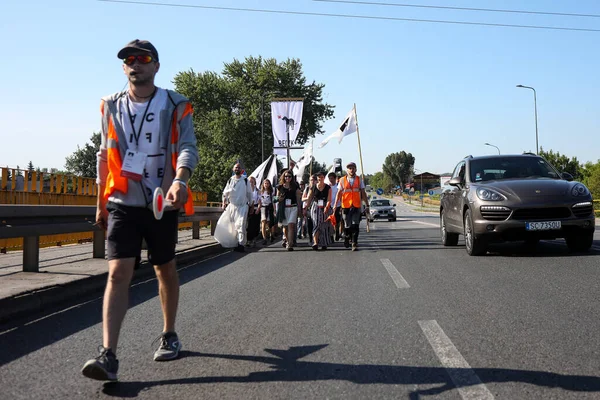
(320, 197)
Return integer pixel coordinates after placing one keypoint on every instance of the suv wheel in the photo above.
(475, 246)
(580, 242)
(448, 238)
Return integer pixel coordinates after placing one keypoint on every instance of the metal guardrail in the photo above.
(32, 221)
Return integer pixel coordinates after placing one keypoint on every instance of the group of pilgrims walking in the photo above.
(326, 210)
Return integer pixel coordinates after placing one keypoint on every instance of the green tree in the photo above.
(383, 181)
(398, 167)
(563, 163)
(83, 161)
(315, 167)
(591, 178)
(227, 114)
(30, 169)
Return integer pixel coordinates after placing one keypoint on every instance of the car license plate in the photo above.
(542, 226)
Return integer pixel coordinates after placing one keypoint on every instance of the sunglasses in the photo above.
(288, 176)
(146, 59)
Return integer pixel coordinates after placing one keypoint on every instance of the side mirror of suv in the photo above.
(455, 181)
(567, 176)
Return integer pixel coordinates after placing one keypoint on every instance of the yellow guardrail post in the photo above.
(4, 179)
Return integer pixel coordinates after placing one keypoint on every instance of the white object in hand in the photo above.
(159, 203)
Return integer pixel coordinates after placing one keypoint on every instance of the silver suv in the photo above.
(514, 197)
(381, 209)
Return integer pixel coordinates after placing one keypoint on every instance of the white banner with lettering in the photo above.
(286, 116)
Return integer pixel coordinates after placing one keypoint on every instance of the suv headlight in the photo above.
(489, 195)
(579, 190)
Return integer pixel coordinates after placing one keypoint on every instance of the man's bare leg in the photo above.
(168, 290)
(116, 300)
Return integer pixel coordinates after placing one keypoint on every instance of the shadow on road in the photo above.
(42, 329)
(286, 367)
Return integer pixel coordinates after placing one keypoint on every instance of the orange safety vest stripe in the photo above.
(351, 194)
(114, 180)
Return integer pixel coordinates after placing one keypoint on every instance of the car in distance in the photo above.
(511, 198)
(381, 209)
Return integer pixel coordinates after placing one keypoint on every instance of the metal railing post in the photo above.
(98, 243)
(31, 254)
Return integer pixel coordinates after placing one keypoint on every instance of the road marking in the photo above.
(426, 223)
(465, 379)
(396, 277)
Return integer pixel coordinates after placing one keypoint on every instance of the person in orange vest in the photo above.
(351, 192)
(148, 141)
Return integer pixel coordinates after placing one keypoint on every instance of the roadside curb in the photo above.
(39, 300)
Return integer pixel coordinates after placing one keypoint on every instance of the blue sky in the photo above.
(437, 91)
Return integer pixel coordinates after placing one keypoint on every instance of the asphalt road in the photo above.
(401, 318)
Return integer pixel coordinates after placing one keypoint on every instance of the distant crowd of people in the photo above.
(324, 211)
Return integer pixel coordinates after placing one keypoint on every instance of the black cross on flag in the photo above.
(347, 127)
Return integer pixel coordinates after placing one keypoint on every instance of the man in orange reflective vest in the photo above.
(148, 141)
(351, 191)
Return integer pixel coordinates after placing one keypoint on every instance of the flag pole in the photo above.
(362, 174)
(311, 163)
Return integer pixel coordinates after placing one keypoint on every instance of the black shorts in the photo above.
(351, 216)
(128, 225)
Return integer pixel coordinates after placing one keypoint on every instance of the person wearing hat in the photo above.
(148, 141)
(351, 192)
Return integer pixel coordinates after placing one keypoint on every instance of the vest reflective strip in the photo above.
(112, 144)
(351, 194)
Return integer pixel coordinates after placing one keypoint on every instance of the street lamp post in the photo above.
(535, 110)
(489, 144)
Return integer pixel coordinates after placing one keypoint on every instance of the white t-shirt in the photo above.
(255, 196)
(265, 199)
(145, 119)
(334, 190)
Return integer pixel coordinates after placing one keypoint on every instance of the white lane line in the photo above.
(426, 223)
(466, 380)
(396, 277)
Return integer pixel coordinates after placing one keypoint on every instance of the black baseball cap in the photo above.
(138, 45)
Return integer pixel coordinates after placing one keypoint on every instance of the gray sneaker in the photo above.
(102, 368)
(169, 347)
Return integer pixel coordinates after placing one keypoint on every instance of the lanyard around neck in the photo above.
(137, 135)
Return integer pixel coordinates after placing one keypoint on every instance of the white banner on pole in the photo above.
(286, 116)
